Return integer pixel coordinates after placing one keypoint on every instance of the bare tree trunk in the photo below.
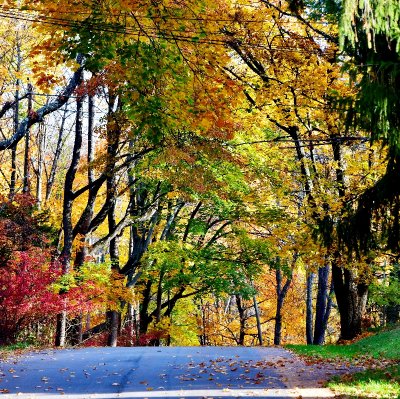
(61, 329)
(41, 144)
(144, 319)
(114, 321)
(242, 319)
(57, 154)
(203, 337)
(281, 295)
(76, 334)
(27, 158)
(309, 308)
(67, 214)
(113, 133)
(351, 298)
(258, 320)
(13, 179)
(322, 308)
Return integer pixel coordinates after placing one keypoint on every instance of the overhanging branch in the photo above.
(47, 109)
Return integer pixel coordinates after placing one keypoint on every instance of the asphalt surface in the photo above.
(159, 372)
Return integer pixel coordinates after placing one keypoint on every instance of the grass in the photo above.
(380, 379)
(370, 383)
(15, 349)
(382, 345)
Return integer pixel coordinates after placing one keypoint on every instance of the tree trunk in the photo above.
(114, 322)
(76, 334)
(309, 307)
(41, 144)
(113, 134)
(258, 320)
(144, 319)
(281, 295)
(67, 214)
(351, 298)
(57, 155)
(27, 157)
(242, 319)
(61, 329)
(322, 308)
(351, 295)
(13, 178)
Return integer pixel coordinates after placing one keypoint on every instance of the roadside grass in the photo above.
(383, 383)
(381, 345)
(16, 349)
(378, 354)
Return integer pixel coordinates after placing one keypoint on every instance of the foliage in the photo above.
(21, 227)
(94, 287)
(27, 268)
(385, 293)
(25, 294)
(184, 330)
(218, 152)
(370, 37)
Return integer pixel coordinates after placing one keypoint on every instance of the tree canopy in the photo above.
(199, 162)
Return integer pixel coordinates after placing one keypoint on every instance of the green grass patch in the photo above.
(372, 383)
(15, 349)
(19, 345)
(369, 383)
(382, 345)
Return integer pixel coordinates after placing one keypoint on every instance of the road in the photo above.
(160, 372)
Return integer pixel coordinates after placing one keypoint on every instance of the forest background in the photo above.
(197, 172)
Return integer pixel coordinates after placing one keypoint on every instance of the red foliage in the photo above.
(27, 269)
(127, 337)
(25, 294)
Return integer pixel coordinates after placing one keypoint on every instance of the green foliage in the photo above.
(386, 292)
(198, 227)
(150, 71)
(327, 9)
(370, 33)
(378, 17)
(184, 328)
(64, 283)
(174, 261)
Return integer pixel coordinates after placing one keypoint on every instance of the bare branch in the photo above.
(37, 116)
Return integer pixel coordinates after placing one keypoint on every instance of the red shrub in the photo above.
(25, 291)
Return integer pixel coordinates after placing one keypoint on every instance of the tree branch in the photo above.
(38, 115)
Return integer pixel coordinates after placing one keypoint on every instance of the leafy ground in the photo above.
(377, 355)
(14, 350)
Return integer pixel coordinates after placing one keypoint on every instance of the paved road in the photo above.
(128, 373)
